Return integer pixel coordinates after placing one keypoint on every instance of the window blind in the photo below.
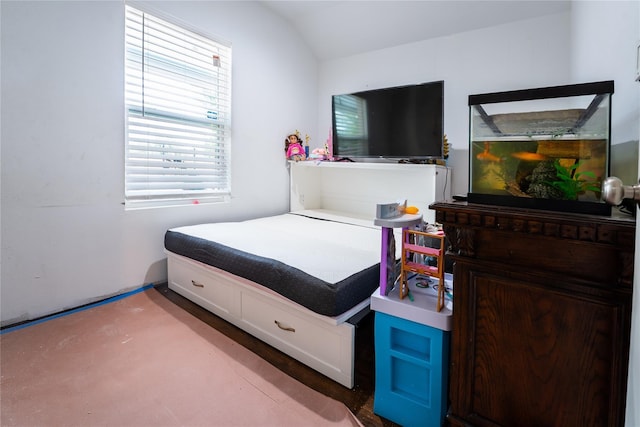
(178, 104)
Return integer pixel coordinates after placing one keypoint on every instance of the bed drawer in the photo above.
(308, 337)
(204, 288)
(311, 342)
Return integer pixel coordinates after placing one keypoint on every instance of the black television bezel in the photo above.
(572, 206)
(409, 158)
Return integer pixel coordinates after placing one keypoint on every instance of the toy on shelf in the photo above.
(319, 154)
(293, 147)
(417, 246)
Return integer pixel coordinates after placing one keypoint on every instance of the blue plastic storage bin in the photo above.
(412, 372)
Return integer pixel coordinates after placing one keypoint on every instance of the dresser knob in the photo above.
(614, 192)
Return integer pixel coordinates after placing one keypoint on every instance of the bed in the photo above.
(300, 280)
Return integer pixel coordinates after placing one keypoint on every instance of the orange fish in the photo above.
(526, 155)
(486, 156)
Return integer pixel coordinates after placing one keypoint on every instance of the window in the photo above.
(178, 105)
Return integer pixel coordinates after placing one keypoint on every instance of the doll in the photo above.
(293, 147)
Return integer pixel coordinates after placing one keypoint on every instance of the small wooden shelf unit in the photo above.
(433, 247)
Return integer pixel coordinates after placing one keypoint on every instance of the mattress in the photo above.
(326, 261)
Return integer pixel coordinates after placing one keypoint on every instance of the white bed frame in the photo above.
(326, 344)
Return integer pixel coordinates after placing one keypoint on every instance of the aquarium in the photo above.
(544, 148)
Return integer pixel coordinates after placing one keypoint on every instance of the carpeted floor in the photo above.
(142, 361)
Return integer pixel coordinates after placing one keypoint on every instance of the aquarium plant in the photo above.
(556, 181)
(574, 183)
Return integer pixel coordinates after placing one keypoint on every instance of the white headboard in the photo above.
(357, 188)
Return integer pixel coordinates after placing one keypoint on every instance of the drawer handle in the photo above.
(284, 328)
(196, 284)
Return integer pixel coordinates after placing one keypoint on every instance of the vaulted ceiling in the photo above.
(335, 29)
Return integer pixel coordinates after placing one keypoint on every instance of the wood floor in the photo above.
(359, 399)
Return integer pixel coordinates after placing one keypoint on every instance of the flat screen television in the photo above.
(404, 122)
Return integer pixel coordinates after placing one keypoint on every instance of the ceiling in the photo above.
(335, 29)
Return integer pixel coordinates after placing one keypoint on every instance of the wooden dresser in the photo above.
(542, 314)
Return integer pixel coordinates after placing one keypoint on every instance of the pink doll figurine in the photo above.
(294, 148)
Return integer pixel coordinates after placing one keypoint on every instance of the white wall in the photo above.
(66, 237)
(526, 54)
(609, 54)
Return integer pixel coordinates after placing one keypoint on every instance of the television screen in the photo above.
(404, 122)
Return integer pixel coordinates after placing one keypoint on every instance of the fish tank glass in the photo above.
(545, 148)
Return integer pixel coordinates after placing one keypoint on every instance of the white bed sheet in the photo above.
(326, 244)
